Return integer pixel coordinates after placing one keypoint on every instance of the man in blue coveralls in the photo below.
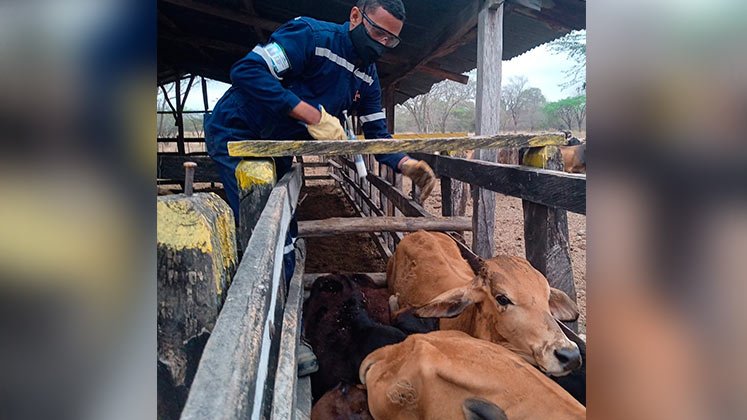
(298, 85)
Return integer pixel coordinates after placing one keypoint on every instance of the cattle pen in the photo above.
(228, 323)
(248, 367)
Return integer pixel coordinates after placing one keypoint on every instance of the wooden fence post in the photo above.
(546, 232)
(489, 56)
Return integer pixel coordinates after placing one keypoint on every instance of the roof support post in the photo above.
(389, 107)
(489, 56)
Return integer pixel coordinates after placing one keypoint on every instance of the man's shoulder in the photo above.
(318, 25)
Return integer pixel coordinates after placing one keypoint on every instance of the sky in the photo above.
(542, 68)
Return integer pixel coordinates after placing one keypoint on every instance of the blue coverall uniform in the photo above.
(305, 59)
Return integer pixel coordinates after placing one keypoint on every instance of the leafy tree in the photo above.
(574, 46)
(568, 111)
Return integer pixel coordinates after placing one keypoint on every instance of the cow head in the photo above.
(510, 303)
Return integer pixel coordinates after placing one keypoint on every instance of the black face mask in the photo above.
(367, 48)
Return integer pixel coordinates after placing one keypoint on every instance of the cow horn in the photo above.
(474, 261)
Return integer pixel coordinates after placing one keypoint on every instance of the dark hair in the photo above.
(394, 7)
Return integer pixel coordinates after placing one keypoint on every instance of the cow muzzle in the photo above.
(569, 358)
(559, 360)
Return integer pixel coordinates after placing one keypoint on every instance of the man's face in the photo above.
(380, 25)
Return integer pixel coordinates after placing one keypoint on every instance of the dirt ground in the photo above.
(344, 253)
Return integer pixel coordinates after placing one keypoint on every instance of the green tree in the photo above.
(565, 112)
(574, 46)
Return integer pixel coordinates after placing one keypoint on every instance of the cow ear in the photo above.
(448, 304)
(561, 306)
(479, 409)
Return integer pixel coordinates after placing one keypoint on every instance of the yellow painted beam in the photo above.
(258, 148)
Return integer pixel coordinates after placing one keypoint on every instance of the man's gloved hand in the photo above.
(421, 174)
(328, 128)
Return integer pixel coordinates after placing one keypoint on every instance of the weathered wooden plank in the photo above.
(487, 120)
(284, 395)
(232, 379)
(548, 187)
(265, 148)
(303, 398)
(379, 279)
(546, 237)
(315, 164)
(317, 177)
(362, 194)
(345, 225)
(172, 167)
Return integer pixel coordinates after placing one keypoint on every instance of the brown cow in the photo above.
(344, 402)
(505, 300)
(574, 158)
(440, 375)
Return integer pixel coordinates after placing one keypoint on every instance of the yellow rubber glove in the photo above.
(421, 174)
(328, 128)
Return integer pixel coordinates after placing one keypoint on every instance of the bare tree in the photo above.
(534, 101)
(166, 126)
(432, 111)
(419, 109)
(513, 99)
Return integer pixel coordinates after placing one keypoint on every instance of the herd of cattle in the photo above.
(452, 336)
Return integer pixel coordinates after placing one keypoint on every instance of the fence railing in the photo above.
(238, 369)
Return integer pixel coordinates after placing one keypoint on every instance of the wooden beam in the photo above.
(226, 13)
(179, 118)
(345, 225)
(284, 400)
(317, 177)
(546, 237)
(216, 44)
(451, 38)
(488, 106)
(266, 148)
(547, 187)
(315, 164)
(378, 238)
(172, 167)
(389, 108)
(442, 74)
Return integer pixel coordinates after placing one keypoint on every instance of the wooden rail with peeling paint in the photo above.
(268, 148)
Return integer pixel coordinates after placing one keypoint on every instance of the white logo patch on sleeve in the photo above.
(278, 58)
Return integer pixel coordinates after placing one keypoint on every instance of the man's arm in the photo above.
(374, 126)
(260, 72)
(374, 123)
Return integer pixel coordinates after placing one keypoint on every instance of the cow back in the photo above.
(432, 375)
(424, 265)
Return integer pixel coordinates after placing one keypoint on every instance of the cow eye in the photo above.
(503, 300)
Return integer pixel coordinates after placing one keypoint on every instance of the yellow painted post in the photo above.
(196, 248)
(255, 178)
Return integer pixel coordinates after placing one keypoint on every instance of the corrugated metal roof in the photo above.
(439, 37)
